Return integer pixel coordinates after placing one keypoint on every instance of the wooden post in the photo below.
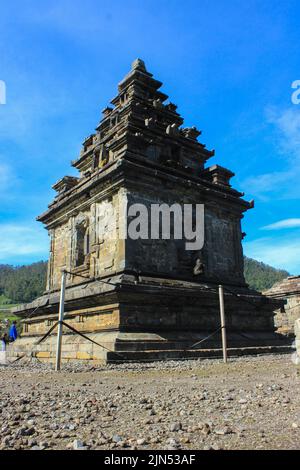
(223, 322)
(60, 319)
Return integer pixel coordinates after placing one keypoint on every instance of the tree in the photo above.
(23, 283)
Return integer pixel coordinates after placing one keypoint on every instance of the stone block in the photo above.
(81, 355)
(86, 348)
(2, 357)
(68, 355)
(43, 354)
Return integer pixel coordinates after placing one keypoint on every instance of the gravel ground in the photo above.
(250, 403)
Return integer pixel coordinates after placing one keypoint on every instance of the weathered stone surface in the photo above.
(297, 333)
(147, 289)
(289, 291)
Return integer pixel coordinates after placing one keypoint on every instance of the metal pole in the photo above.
(223, 323)
(60, 319)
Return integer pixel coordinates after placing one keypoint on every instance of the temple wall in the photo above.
(109, 246)
(286, 317)
(105, 317)
(106, 250)
(221, 254)
(222, 250)
(60, 253)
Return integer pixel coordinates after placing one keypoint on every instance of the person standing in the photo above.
(13, 334)
(4, 341)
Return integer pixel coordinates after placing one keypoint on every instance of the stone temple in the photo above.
(145, 298)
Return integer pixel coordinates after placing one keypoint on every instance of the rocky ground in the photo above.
(250, 403)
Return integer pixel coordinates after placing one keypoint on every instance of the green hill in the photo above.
(24, 283)
(260, 276)
(21, 283)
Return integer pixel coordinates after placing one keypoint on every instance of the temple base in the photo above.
(156, 319)
(126, 347)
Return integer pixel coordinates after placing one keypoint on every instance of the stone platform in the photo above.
(143, 347)
(119, 317)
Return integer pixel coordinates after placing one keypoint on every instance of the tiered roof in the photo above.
(141, 123)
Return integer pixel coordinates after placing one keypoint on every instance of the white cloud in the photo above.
(70, 18)
(288, 124)
(281, 184)
(282, 253)
(85, 22)
(20, 243)
(29, 107)
(8, 181)
(286, 223)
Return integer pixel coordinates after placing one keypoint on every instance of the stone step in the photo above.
(148, 356)
(187, 345)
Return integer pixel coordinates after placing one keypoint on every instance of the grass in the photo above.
(7, 306)
(5, 311)
(7, 315)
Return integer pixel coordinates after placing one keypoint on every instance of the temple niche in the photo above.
(145, 298)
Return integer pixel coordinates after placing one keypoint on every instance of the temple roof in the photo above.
(143, 128)
(140, 110)
(289, 286)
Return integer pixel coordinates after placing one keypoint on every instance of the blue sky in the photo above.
(228, 65)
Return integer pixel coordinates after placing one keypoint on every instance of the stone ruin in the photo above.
(297, 333)
(145, 299)
(289, 291)
(287, 319)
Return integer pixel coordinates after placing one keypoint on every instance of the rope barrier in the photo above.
(98, 344)
(89, 339)
(37, 343)
(116, 284)
(72, 329)
(207, 288)
(204, 339)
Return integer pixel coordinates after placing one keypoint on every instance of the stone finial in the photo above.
(171, 107)
(219, 175)
(158, 104)
(172, 129)
(138, 64)
(106, 111)
(191, 132)
(65, 183)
